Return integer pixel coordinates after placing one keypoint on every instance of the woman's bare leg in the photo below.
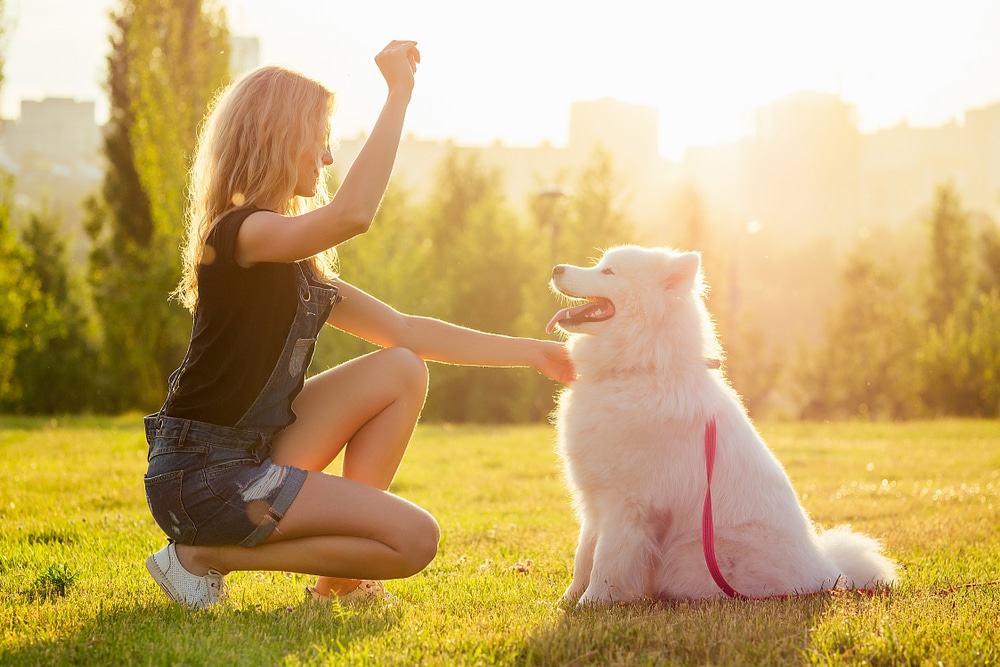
(369, 405)
(391, 538)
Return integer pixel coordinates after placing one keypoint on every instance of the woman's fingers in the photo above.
(398, 61)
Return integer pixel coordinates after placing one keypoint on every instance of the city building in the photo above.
(56, 132)
(54, 151)
(808, 170)
(805, 171)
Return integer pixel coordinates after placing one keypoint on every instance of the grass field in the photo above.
(74, 531)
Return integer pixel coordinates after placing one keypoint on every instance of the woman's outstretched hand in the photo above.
(554, 362)
(398, 63)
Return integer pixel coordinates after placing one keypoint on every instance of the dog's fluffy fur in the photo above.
(631, 436)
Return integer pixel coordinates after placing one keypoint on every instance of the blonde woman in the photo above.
(237, 451)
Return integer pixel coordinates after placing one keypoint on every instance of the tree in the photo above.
(961, 352)
(753, 367)
(961, 359)
(866, 365)
(380, 262)
(472, 275)
(596, 219)
(989, 254)
(16, 291)
(24, 310)
(57, 372)
(951, 261)
(166, 62)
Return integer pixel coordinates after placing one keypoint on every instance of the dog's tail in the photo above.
(858, 557)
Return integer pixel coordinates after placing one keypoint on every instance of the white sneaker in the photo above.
(369, 591)
(180, 585)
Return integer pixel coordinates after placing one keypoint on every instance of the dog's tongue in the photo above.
(565, 314)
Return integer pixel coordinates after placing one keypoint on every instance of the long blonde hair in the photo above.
(248, 152)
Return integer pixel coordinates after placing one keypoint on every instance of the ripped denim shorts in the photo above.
(214, 485)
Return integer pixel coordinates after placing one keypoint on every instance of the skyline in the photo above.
(510, 74)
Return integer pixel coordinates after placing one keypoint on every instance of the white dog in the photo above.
(632, 432)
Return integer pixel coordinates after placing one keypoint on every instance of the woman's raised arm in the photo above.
(269, 237)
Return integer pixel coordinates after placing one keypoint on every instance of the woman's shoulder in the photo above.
(230, 221)
(222, 237)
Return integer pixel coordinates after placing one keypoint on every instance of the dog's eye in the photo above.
(608, 272)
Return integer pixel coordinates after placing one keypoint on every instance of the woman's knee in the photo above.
(409, 369)
(421, 542)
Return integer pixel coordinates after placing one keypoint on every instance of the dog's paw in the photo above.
(595, 595)
(606, 593)
(572, 594)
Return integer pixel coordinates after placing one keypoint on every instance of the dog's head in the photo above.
(636, 308)
(628, 282)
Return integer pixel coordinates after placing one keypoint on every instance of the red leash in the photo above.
(707, 526)
(708, 535)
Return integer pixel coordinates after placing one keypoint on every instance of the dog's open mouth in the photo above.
(596, 309)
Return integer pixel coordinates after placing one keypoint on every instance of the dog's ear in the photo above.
(682, 271)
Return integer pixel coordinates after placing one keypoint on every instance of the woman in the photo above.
(237, 450)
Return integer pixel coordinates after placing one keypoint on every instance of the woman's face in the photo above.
(313, 159)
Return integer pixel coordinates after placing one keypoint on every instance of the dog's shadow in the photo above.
(756, 632)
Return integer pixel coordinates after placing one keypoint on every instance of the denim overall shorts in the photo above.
(212, 485)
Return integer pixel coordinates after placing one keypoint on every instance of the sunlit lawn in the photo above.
(74, 531)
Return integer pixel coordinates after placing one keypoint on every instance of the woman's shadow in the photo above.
(175, 635)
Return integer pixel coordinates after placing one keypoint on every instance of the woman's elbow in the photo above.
(349, 221)
(345, 229)
(356, 220)
(360, 224)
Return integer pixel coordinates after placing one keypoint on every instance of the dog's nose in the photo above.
(559, 268)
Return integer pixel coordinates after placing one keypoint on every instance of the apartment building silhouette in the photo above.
(807, 169)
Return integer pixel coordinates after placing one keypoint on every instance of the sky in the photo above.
(510, 70)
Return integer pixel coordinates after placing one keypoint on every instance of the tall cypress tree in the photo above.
(168, 57)
(960, 356)
(951, 266)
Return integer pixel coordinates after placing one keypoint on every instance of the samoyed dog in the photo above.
(632, 432)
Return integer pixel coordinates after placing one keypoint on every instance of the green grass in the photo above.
(74, 531)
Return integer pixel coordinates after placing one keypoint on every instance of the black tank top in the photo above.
(240, 325)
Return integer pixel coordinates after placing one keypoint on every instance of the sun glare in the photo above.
(512, 75)
(704, 66)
